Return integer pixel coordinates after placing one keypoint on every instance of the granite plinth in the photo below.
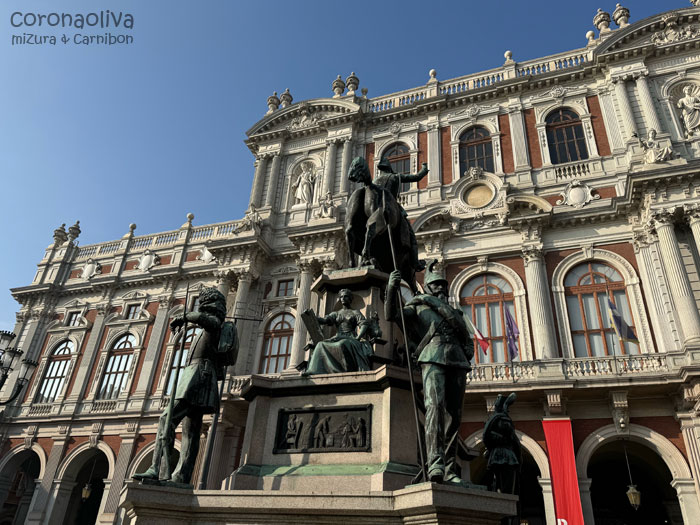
(424, 504)
(353, 431)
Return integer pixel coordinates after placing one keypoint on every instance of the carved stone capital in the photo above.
(620, 410)
(532, 253)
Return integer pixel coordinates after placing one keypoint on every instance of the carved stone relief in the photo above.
(148, 260)
(673, 32)
(90, 269)
(331, 429)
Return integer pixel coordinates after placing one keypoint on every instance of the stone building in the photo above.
(554, 184)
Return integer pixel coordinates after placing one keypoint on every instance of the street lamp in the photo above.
(633, 495)
(7, 365)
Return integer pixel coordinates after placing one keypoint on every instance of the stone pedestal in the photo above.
(424, 504)
(368, 287)
(352, 433)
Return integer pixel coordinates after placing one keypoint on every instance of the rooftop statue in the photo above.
(348, 350)
(373, 212)
(438, 337)
(197, 393)
(503, 447)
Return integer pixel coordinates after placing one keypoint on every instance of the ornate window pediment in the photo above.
(304, 116)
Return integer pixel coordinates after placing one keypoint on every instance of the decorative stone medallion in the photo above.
(577, 194)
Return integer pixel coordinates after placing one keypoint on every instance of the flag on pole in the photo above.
(512, 334)
(474, 331)
(623, 330)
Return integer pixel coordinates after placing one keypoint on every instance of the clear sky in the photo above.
(148, 132)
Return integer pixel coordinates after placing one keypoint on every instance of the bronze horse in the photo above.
(372, 212)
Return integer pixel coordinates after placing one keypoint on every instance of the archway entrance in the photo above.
(84, 478)
(532, 509)
(18, 481)
(607, 470)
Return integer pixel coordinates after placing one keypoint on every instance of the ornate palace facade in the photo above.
(554, 184)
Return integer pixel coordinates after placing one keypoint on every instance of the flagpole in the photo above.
(614, 327)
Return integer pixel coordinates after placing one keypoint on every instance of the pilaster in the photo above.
(434, 154)
(91, 351)
(303, 303)
(347, 160)
(38, 507)
(329, 171)
(623, 101)
(274, 181)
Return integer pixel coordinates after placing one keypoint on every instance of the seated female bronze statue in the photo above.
(347, 350)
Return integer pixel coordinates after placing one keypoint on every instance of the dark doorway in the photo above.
(93, 471)
(610, 480)
(16, 505)
(531, 499)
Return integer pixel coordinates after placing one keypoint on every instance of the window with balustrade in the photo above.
(485, 299)
(56, 373)
(277, 344)
(399, 156)
(565, 137)
(587, 288)
(476, 150)
(179, 359)
(116, 371)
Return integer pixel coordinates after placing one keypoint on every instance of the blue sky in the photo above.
(148, 132)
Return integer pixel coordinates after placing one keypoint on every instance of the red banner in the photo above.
(562, 465)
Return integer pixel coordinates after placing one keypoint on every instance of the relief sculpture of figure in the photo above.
(347, 351)
(304, 186)
(197, 393)
(690, 111)
(439, 339)
(653, 152)
(503, 447)
(372, 212)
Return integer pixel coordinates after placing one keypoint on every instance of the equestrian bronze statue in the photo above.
(374, 213)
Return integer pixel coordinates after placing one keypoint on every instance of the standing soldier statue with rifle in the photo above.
(197, 393)
(438, 338)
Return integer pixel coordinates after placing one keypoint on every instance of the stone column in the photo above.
(274, 180)
(689, 429)
(584, 488)
(434, 155)
(258, 181)
(121, 467)
(548, 498)
(694, 221)
(678, 278)
(329, 172)
(303, 302)
(35, 515)
(688, 500)
(155, 343)
(648, 108)
(347, 160)
(625, 108)
(240, 309)
(58, 505)
(539, 304)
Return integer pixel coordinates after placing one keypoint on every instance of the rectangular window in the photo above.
(72, 319)
(132, 311)
(285, 288)
(194, 305)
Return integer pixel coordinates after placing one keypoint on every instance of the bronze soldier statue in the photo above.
(438, 337)
(503, 447)
(197, 393)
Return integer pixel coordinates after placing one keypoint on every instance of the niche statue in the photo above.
(373, 212)
(197, 393)
(347, 350)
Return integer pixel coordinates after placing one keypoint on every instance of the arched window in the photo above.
(484, 300)
(56, 370)
(277, 344)
(475, 150)
(180, 357)
(399, 156)
(117, 369)
(587, 288)
(565, 136)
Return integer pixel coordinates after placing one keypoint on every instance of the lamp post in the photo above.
(7, 364)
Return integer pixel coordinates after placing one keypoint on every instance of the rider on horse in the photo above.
(391, 181)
